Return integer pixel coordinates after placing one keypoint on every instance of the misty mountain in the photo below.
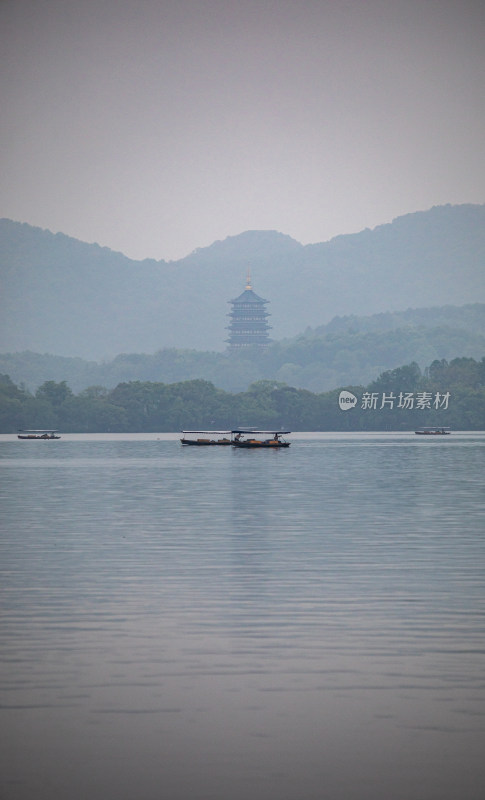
(470, 318)
(66, 297)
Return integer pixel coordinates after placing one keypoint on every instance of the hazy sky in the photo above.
(158, 126)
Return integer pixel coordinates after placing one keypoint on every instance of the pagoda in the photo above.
(248, 320)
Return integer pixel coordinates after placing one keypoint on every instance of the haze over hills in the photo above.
(347, 351)
(69, 298)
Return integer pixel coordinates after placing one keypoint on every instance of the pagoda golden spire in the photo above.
(248, 280)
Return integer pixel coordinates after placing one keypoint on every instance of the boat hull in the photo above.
(41, 438)
(432, 433)
(204, 442)
(258, 445)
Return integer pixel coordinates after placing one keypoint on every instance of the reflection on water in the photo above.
(217, 623)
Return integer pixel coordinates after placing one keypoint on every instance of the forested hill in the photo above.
(469, 318)
(69, 298)
(349, 350)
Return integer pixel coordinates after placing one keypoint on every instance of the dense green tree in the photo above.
(407, 379)
(54, 393)
(12, 404)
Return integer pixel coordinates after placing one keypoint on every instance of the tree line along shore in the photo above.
(445, 393)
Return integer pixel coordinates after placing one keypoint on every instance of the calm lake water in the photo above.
(218, 624)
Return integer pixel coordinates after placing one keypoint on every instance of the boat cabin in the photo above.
(433, 431)
(252, 438)
(37, 434)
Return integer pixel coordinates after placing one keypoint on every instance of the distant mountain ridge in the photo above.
(469, 318)
(69, 298)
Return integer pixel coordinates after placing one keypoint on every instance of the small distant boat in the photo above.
(203, 438)
(434, 431)
(38, 434)
(250, 438)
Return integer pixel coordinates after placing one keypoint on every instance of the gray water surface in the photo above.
(212, 623)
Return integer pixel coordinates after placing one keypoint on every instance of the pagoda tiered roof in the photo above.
(249, 296)
(248, 320)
